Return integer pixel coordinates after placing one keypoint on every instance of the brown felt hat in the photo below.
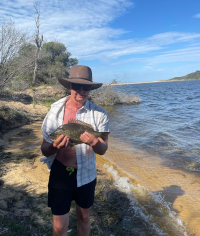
(80, 75)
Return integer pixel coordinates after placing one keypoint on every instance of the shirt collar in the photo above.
(86, 105)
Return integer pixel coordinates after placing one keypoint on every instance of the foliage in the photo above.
(191, 76)
(54, 63)
(58, 61)
(48, 101)
(12, 39)
(58, 70)
(54, 48)
(21, 63)
(26, 50)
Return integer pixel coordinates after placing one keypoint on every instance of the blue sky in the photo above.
(132, 41)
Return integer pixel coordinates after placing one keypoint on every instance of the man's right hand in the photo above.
(61, 142)
(49, 149)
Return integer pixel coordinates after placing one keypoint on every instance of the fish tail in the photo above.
(104, 135)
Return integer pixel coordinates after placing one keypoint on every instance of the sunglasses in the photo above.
(85, 87)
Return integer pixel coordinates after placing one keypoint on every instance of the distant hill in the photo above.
(191, 76)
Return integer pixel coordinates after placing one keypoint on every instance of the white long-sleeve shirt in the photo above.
(86, 158)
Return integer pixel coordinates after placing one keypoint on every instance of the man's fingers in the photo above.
(58, 140)
(61, 141)
(88, 138)
(67, 142)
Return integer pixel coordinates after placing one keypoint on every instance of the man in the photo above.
(73, 174)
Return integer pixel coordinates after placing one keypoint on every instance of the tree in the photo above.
(26, 50)
(54, 49)
(38, 42)
(58, 70)
(11, 39)
(58, 59)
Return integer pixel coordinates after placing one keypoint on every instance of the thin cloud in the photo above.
(101, 46)
(197, 15)
(83, 26)
(72, 14)
(190, 54)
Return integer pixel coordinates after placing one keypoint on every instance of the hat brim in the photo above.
(65, 82)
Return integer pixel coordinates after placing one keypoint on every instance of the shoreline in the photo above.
(149, 82)
(169, 190)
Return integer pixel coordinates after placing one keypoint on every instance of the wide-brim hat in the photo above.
(80, 75)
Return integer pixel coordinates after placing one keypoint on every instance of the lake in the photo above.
(155, 147)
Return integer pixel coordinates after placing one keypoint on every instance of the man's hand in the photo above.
(98, 145)
(89, 139)
(61, 142)
(49, 149)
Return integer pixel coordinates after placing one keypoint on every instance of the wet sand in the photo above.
(181, 189)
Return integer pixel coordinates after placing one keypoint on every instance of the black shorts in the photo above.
(63, 189)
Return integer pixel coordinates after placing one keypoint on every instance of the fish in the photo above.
(73, 129)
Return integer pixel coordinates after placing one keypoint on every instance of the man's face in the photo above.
(80, 92)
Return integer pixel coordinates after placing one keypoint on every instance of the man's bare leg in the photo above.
(60, 225)
(84, 224)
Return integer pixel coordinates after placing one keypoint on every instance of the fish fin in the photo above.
(104, 135)
(80, 123)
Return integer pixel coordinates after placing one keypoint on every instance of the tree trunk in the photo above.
(36, 67)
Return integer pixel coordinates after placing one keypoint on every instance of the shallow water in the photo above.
(157, 144)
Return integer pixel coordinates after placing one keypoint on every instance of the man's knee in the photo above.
(85, 218)
(59, 229)
(83, 215)
(60, 225)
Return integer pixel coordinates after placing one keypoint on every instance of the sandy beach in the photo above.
(23, 187)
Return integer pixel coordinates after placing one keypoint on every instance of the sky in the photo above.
(126, 40)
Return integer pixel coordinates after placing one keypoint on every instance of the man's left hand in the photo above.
(89, 139)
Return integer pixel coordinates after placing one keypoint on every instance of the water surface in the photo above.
(156, 142)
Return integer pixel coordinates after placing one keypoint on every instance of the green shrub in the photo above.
(48, 101)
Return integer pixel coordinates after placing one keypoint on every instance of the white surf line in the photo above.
(123, 185)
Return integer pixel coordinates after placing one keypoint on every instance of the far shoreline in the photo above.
(150, 82)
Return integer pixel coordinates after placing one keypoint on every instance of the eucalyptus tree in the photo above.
(38, 42)
(58, 61)
(11, 39)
